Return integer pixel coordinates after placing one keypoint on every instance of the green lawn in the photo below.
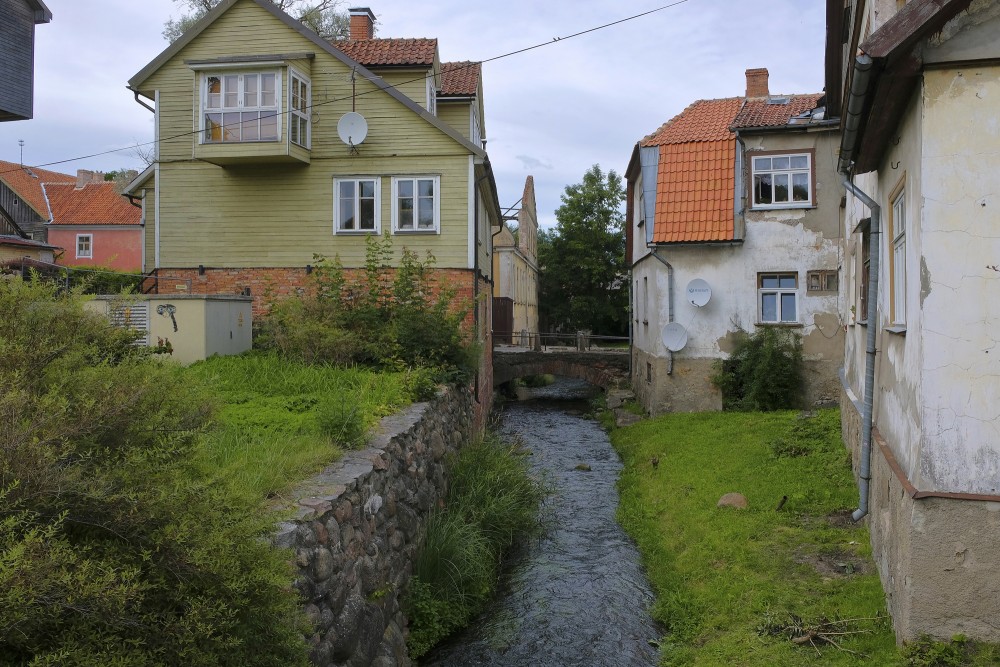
(271, 428)
(733, 585)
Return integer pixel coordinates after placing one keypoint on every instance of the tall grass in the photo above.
(492, 502)
(279, 420)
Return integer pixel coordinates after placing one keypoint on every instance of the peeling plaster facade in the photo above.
(935, 490)
(796, 240)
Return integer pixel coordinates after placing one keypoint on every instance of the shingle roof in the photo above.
(770, 113)
(27, 183)
(389, 52)
(460, 78)
(695, 178)
(94, 204)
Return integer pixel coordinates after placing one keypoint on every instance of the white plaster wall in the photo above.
(960, 224)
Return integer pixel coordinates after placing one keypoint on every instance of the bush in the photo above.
(390, 318)
(764, 372)
(492, 501)
(111, 551)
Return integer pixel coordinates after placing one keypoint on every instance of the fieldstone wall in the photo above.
(358, 525)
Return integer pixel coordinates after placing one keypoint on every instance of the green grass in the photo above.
(729, 581)
(279, 421)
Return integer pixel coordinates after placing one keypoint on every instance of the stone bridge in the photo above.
(605, 368)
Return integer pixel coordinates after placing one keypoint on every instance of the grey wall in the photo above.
(17, 57)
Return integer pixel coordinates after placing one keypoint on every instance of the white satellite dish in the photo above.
(699, 292)
(352, 128)
(674, 336)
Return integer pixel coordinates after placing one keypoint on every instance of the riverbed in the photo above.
(576, 593)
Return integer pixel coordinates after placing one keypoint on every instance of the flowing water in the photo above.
(576, 594)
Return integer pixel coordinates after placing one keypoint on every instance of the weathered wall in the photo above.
(17, 60)
(359, 525)
(936, 557)
(119, 249)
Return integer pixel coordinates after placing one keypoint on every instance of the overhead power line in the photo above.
(508, 54)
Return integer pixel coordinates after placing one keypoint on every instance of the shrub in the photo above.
(764, 372)
(111, 552)
(392, 318)
(492, 501)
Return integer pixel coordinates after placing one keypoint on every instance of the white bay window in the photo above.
(240, 106)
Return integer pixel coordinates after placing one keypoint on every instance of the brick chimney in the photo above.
(362, 23)
(757, 83)
(86, 177)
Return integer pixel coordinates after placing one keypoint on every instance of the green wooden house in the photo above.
(260, 163)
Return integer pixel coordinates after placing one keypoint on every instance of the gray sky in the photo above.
(551, 112)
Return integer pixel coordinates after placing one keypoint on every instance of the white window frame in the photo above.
(898, 210)
(778, 292)
(337, 222)
(299, 117)
(436, 229)
(757, 168)
(89, 254)
(431, 96)
(241, 107)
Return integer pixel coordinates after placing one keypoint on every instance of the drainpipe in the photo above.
(670, 300)
(855, 107)
(138, 101)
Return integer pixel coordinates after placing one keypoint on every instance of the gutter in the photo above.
(856, 102)
(138, 101)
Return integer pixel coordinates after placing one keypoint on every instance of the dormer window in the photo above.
(240, 106)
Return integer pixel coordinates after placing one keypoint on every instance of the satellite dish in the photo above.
(352, 128)
(674, 336)
(699, 292)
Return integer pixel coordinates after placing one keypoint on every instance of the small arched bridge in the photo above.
(605, 368)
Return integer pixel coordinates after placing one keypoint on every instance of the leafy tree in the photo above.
(319, 15)
(583, 282)
(112, 550)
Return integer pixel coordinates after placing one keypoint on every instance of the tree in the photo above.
(319, 15)
(583, 283)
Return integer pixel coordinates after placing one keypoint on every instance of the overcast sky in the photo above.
(551, 112)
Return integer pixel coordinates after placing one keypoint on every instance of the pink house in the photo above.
(94, 224)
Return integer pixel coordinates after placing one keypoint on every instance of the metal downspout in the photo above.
(871, 316)
(670, 301)
(856, 102)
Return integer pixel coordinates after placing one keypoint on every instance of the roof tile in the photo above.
(768, 113)
(460, 78)
(27, 183)
(389, 52)
(93, 204)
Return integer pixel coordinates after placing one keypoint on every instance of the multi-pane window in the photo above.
(866, 263)
(84, 245)
(299, 106)
(782, 180)
(777, 297)
(241, 106)
(416, 204)
(356, 205)
(898, 225)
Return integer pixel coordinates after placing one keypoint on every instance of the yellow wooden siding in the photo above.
(456, 114)
(19, 252)
(412, 83)
(281, 214)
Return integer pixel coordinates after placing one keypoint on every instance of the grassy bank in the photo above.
(787, 581)
(279, 421)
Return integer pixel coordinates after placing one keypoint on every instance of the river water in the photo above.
(576, 594)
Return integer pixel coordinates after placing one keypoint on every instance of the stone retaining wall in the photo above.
(358, 526)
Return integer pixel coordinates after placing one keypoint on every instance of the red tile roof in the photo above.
(695, 178)
(27, 183)
(94, 204)
(768, 113)
(460, 78)
(389, 52)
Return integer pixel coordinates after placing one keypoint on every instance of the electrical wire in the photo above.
(554, 40)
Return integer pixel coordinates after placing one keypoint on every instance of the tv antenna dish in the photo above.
(352, 129)
(674, 336)
(699, 292)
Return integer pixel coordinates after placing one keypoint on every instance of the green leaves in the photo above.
(583, 283)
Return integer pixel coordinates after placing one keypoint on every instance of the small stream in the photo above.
(576, 594)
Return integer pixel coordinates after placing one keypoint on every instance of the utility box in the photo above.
(192, 326)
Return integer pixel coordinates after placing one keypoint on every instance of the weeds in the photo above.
(764, 372)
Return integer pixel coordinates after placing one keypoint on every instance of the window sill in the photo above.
(898, 329)
(795, 207)
(788, 325)
(407, 232)
(356, 232)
